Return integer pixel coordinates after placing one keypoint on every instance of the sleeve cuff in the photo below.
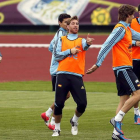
(97, 65)
(87, 44)
(133, 43)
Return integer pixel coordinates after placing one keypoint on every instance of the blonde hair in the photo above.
(71, 19)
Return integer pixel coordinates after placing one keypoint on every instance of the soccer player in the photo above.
(135, 24)
(0, 57)
(70, 52)
(62, 20)
(120, 41)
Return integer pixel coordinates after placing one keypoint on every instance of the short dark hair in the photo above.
(63, 16)
(126, 10)
(73, 18)
(139, 7)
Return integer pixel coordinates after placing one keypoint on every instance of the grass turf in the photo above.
(50, 33)
(20, 117)
(47, 86)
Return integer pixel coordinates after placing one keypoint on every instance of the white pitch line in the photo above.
(38, 45)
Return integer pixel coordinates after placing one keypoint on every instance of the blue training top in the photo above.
(54, 64)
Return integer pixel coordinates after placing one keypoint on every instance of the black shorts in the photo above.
(72, 83)
(136, 68)
(53, 82)
(126, 81)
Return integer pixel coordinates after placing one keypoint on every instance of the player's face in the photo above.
(63, 24)
(73, 27)
(130, 18)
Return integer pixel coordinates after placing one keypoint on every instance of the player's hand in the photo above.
(138, 43)
(92, 69)
(0, 58)
(75, 50)
(89, 40)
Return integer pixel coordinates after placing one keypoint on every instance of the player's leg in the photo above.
(123, 99)
(62, 88)
(128, 80)
(79, 95)
(46, 115)
(136, 70)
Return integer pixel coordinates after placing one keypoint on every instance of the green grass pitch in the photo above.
(20, 113)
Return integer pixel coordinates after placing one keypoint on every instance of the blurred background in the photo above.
(28, 26)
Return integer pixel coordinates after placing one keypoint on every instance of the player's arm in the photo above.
(135, 35)
(51, 46)
(87, 42)
(0, 57)
(116, 35)
(58, 54)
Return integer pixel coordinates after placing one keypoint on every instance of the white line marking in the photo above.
(37, 45)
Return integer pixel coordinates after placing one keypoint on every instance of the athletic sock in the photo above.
(115, 132)
(49, 112)
(119, 116)
(57, 126)
(53, 121)
(136, 111)
(75, 118)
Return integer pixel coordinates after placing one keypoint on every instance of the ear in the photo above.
(68, 27)
(59, 22)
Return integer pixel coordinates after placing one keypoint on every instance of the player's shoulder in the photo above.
(60, 33)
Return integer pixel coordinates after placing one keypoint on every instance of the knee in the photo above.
(58, 109)
(81, 108)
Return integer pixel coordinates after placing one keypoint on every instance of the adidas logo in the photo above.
(82, 87)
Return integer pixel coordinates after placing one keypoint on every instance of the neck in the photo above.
(126, 21)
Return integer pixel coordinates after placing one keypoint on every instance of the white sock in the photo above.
(136, 111)
(53, 121)
(75, 118)
(57, 126)
(119, 116)
(49, 112)
(115, 132)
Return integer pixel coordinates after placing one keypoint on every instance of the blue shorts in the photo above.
(126, 81)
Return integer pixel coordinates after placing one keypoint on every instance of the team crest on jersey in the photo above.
(130, 46)
(82, 87)
(137, 81)
(73, 55)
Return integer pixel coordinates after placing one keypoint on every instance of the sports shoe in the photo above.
(74, 129)
(56, 132)
(119, 137)
(45, 118)
(137, 119)
(117, 125)
(51, 127)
